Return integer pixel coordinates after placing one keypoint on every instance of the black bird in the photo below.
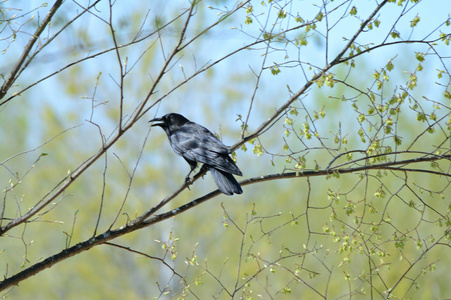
(196, 144)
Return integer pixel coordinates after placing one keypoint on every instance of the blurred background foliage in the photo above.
(319, 229)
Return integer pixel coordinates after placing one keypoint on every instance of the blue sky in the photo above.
(217, 43)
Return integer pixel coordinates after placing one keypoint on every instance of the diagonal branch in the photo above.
(134, 41)
(142, 222)
(13, 75)
(336, 61)
(68, 180)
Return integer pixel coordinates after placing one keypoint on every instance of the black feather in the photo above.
(196, 144)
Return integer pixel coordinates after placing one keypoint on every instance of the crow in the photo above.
(196, 144)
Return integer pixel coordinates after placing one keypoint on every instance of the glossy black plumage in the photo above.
(196, 144)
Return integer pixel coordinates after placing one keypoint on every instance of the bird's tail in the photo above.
(226, 183)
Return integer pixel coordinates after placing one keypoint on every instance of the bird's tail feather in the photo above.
(226, 183)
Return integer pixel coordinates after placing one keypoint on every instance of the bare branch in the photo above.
(13, 75)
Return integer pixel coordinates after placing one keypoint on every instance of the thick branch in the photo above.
(142, 222)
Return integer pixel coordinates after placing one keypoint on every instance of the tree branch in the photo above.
(12, 76)
(143, 221)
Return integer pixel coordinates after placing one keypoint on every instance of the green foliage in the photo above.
(355, 203)
(275, 70)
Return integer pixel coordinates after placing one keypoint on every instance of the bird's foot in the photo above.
(188, 181)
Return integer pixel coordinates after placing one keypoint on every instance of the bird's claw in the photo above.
(188, 182)
(191, 141)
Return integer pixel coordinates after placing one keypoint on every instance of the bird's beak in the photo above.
(157, 122)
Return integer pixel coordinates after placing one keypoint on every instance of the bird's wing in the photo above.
(196, 143)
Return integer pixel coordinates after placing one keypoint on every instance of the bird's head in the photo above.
(169, 122)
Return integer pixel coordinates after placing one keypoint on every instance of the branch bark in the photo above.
(144, 220)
